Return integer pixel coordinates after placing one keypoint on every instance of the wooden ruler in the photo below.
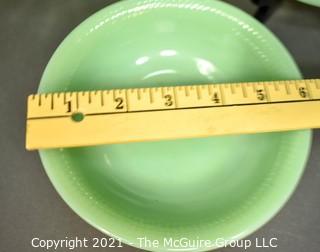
(87, 118)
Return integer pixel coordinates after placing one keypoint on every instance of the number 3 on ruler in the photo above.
(169, 101)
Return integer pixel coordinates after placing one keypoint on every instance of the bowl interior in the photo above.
(210, 187)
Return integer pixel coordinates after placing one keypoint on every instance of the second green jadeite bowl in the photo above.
(209, 188)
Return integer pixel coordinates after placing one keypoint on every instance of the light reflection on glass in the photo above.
(168, 53)
(160, 72)
(205, 67)
(142, 60)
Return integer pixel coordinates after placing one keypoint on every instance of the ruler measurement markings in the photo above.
(261, 92)
(175, 98)
(232, 88)
(226, 90)
(120, 91)
(139, 94)
(162, 91)
(198, 92)
(77, 100)
(253, 86)
(114, 94)
(186, 89)
(65, 98)
(68, 94)
(185, 108)
(266, 89)
(39, 100)
(208, 95)
(258, 94)
(287, 87)
(223, 101)
(215, 95)
(309, 92)
(151, 95)
(64, 104)
(127, 92)
(171, 97)
(244, 91)
(52, 102)
(315, 90)
(67, 103)
(210, 89)
(101, 98)
(89, 97)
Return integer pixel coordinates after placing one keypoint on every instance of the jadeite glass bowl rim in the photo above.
(315, 3)
(257, 224)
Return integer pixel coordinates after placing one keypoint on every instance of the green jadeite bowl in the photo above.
(311, 2)
(216, 187)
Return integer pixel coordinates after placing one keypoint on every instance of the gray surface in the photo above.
(30, 207)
